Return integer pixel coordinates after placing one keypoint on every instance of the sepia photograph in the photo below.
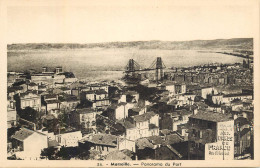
(130, 81)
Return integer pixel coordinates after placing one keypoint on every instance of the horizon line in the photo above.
(129, 41)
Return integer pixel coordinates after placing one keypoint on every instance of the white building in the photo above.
(84, 118)
(30, 99)
(118, 111)
(28, 144)
(144, 125)
(208, 91)
(69, 139)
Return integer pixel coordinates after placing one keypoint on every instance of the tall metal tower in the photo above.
(132, 66)
(159, 66)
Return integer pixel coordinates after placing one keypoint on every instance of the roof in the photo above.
(152, 126)
(211, 116)
(127, 124)
(33, 84)
(191, 94)
(85, 110)
(236, 102)
(165, 131)
(48, 96)
(207, 87)
(244, 131)
(122, 104)
(114, 106)
(64, 88)
(101, 139)
(43, 74)
(14, 88)
(173, 102)
(98, 92)
(70, 98)
(117, 155)
(183, 126)
(143, 117)
(155, 140)
(28, 92)
(183, 112)
(131, 92)
(53, 143)
(169, 84)
(172, 139)
(241, 120)
(137, 109)
(142, 143)
(237, 94)
(42, 86)
(24, 133)
(52, 101)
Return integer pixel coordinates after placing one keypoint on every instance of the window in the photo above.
(210, 125)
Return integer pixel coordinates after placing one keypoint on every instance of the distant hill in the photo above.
(234, 43)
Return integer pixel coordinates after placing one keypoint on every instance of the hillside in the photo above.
(235, 43)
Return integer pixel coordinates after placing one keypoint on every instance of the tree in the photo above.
(63, 118)
(49, 153)
(28, 114)
(11, 131)
(66, 153)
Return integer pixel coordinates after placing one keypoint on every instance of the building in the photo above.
(11, 112)
(58, 70)
(139, 126)
(205, 91)
(99, 98)
(174, 88)
(84, 118)
(69, 139)
(131, 96)
(242, 96)
(42, 78)
(98, 87)
(32, 86)
(180, 88)
(228, 98)
(69, 102)
(58, 78)
(52, 105)
(11, 117)
(243, 132)
(105, 143)
(171, 121)
(28, 144)
(207, 133)
(117, 111)
(28, 99)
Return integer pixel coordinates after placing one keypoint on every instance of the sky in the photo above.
(100, 21)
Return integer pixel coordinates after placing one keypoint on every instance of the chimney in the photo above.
(234, 116)
(195, 111)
